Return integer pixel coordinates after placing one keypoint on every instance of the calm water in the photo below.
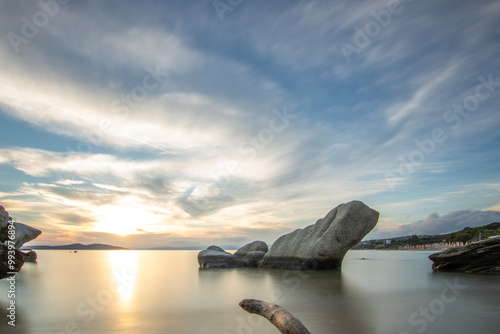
(164, 292)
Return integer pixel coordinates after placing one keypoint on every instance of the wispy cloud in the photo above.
(451, 222)
(176, 119)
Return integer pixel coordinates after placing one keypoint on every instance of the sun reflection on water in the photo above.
(123, 266)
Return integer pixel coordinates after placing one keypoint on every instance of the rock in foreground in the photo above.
(12, 236)
(11, 261)
(277, 315)
(479, 258)
(324, 244)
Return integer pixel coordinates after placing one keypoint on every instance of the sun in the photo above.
(123, 220)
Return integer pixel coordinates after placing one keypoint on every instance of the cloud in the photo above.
(451, 222)
(70, 219)
(69, 182)
(203, 202)
(156, 184)
(70, 195)
(430, 85)
(108, 141)
(495, 207)
(108, 69)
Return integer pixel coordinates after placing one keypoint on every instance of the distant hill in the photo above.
(79, 247)
(467, 234)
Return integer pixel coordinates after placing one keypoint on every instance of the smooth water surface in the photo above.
(165, 292)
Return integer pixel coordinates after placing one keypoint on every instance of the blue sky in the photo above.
(175, 123)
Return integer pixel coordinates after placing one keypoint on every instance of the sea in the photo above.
(376, 292)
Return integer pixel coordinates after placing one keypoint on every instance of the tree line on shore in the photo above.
(468, 234)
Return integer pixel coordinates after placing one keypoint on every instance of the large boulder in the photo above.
(480, 257)
(324, 244)
(252, 253)
(216, 257)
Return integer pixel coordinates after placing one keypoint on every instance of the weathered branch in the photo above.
(278, 316)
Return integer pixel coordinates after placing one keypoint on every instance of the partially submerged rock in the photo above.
(247, 256)
(29, 256)
(216, 257)
(252, 253)
(324, 244)
(319, 246)
(480, 257)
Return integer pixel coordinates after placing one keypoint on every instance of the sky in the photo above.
(191, 123)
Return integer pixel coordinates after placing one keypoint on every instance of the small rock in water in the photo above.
(216, 257)
(29, 256)
(247, 256)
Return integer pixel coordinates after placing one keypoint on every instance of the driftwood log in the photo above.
(278, 316)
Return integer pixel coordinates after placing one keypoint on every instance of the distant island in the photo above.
(439, 241)
(79, 247)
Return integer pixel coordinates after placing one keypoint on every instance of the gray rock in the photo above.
(216, 248)
(252, 259)
(216, 257)
(4, 217)
(24, 233)
(252, 253)
(478, 258)
(8, 251)
(29, 256)
(252, 247)
(324, 244)
(16, 263)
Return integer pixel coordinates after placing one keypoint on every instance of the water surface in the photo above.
(165, 292)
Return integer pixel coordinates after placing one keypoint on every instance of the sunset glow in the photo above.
(121, 220)
(144, 127)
